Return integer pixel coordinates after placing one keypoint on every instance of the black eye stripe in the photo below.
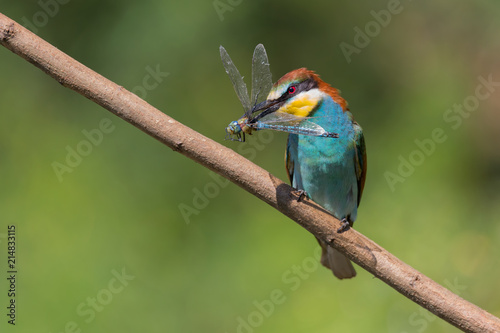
(301, 86)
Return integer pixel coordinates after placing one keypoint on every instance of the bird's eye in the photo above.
(292, 90)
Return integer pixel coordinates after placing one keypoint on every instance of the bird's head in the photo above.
(298, 92)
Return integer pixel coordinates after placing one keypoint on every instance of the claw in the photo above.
(345, 226)
(301, 194)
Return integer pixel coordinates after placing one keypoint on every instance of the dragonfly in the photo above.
(261, 85)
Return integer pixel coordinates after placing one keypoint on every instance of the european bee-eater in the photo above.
(331, 171)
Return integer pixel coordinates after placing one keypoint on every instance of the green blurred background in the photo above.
(118, 211)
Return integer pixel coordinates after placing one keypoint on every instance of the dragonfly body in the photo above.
(244, 125)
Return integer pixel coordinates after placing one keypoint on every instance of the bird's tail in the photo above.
(336, 262)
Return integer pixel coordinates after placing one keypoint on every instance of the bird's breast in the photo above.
(324, 167)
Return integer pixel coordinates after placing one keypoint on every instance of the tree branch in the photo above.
(364, 252)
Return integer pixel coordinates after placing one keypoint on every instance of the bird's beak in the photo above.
(266, 105)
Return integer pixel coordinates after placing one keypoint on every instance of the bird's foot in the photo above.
(301, 194)
(345, 226)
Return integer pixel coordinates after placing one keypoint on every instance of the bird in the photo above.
(330, 171)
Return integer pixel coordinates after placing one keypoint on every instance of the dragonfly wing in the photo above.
(239, 85)
(280, 117)
(285, 122)
(261, 75)
(313, 128)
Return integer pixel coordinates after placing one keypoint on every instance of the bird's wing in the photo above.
(360, 158)
(290, 156)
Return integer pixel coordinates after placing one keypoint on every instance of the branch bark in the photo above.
(364, 252)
